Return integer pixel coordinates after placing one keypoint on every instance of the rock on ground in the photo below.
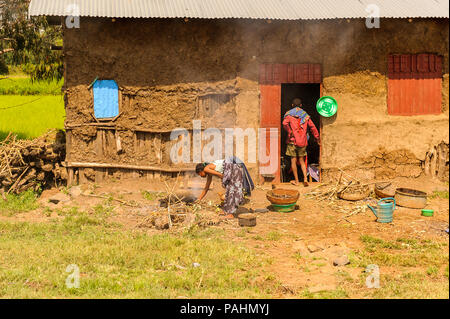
(341, 261)
(59, 197)
(161, 222)
(301, 248)
(75, 191)
(314, 248)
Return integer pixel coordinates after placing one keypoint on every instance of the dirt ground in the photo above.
(315, 231)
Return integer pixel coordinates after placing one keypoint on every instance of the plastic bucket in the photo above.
(284, 208)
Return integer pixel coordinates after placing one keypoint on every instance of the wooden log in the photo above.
(152, 130)
(128, 167)
(112, 126)
(106, 124)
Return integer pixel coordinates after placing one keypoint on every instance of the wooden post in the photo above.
(103, 140)
(120, 100)
(110, 143)
(118, 143)
(157, 175)
(82, 178)
(98, 143)
(99, 172)
(70, 176)
(68, 143)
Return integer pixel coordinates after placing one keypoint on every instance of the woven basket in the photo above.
(383, 190)
(283, 196)
(348, 195)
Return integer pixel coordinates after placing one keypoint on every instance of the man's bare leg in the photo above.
(303, 166)
(294, 170)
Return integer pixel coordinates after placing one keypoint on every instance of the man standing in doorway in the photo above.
(296, 123)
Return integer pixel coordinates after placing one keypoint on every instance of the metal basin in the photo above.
(410, 198)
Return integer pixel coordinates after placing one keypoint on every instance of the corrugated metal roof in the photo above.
(247, 9)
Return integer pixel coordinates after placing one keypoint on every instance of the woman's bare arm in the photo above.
(206, 189)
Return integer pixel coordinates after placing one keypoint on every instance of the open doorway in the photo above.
(309, 94)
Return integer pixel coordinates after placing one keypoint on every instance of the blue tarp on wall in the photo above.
(106, 99)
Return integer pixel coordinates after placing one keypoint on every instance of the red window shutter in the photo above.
(414, 84)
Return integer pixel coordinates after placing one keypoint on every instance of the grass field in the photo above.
(19, 85)
(116, 263)
(421, 267)
(30, 116)
(28, 108)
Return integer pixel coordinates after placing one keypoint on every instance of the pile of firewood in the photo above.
(180, 211)
(331, 194)
(31, 164)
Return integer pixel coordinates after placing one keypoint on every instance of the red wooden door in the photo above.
(414, 84)
(271, 76)
(270, 100)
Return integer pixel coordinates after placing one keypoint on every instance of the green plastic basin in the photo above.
(326, 106)
(427, 212)
(284, 208)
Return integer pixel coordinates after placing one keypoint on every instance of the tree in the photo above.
(28, 41)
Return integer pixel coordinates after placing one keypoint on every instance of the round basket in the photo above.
(384, 189)
(354, 196)
(282, 196)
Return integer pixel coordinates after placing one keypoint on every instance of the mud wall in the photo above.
(171, 71)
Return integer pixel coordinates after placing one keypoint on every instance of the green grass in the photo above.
(411, 285)
(440, 194)
(14, 85)
(78, 218)
(273, 236)
(401, 252)
(33, 118)
(123, 264)
(14, 204)
(421, 267)
(151, 196)
(338, 293)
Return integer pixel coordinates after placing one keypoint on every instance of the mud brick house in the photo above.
(135, 70)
